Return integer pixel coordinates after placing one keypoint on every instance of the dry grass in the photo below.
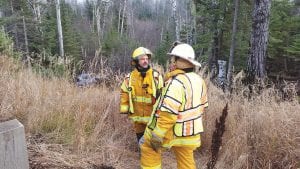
(82, 119)
(74, 127)
(261, 132)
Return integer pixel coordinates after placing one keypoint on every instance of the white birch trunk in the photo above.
(59, 29)
(119, 17)
(98, 19)
(38, 12)
(11, 5)
(174, 12)
(123, 17)
(93, 16)
(132, 24)
(107, 6)
(161, 34)
(25, 37)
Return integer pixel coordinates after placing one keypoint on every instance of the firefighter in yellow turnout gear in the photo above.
(176, 121)
(139, 90)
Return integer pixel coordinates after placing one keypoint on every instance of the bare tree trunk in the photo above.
(180, 22)
(174, 12)
(187, 24)
(123, 17)
(38, 13)
(59, 30)
(161, 34)
(164, 7)
(12, 7)
(104, 19)
(190, 24)
(194, 32)
(15, 30)
(132, 24)
(26, 41)
(259, 40)
(119, 17)
(233, 40)
(212, 60)
(93, 17)
(35, 10)
(98, 19)
(25, 35)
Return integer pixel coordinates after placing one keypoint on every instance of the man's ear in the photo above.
(133, 63)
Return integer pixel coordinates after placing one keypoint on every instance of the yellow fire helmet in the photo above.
(140, 51)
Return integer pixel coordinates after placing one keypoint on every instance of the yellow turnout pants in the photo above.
(152, 160)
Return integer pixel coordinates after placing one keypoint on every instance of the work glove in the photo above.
(156, 142)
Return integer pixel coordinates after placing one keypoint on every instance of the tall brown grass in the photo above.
(260, 132)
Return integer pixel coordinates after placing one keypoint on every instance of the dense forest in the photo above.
(260, 37)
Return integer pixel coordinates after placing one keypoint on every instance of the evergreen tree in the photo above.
(71, 37)
(163, 49)
(283, 27)
(294, 48)
(49, 30)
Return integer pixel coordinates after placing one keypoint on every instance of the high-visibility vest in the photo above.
(139, 94)
(185, 97)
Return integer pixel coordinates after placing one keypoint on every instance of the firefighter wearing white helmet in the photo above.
(176, 120)
(139, 90)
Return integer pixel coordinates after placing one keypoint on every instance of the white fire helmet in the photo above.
(186, 52)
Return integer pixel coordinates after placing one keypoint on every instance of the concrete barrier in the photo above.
(13, 149)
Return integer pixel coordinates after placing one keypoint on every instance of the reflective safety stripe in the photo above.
(155, 167)
(190, 114)
(170, 104)
(159, 131)
(188, 128)
(124, 108)
(132, 95)
(131, 92)
(183, 141)
(124, 87)
(177, 141)
(168, 109)
(140, 119)
(154, 85)
(183, 97)
(188, 91)
(142, 99)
